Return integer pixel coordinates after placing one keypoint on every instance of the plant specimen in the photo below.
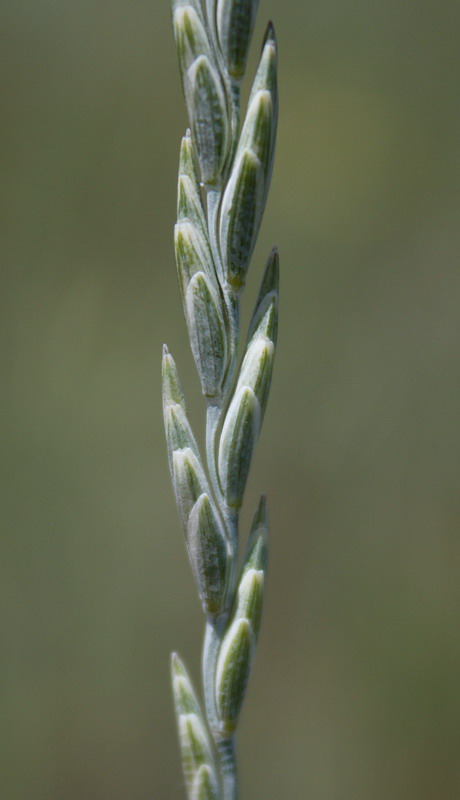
(224, 176)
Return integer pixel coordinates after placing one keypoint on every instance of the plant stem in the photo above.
(227, 757)
(235, 110)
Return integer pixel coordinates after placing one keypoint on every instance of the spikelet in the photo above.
(244, 417)
(195, 742)
(246, 193)
(237, 650)
(204, 534)
(235, 24)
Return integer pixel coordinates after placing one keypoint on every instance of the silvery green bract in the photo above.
(203, 90)
(205, 539)
(264, 319)
(238, 646)
(203, 308)
(179, 434)
(239, 437)
(193, 252)
(235, 23)
(189, 481)
(207, 333)
(207, 549)
(207, 114)
(235, 659)
(204, 785)
(195, 742)
(224, 176)
(204, 535)
(245, 414)
(201, 294)
(246, 193)
(256, 553)
(189, 203)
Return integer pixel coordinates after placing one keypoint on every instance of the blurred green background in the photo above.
(355, 693)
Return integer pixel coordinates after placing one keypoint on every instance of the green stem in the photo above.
(233, 91)
(231, 522)
(227, 757)
(232, 304)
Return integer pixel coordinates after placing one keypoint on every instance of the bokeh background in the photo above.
(355, 693)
